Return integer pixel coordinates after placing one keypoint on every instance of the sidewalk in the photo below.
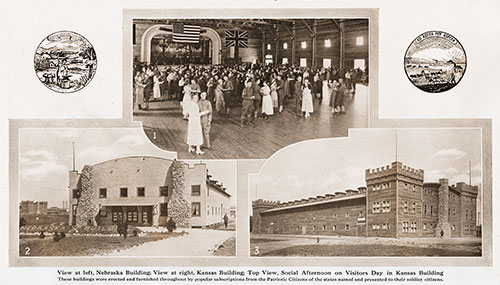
(197, 242)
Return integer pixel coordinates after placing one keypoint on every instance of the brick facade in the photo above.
(395, 203)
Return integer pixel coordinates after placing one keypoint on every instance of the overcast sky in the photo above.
(325, 166)
(46, 158)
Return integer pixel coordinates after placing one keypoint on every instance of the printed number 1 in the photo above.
(27, 251)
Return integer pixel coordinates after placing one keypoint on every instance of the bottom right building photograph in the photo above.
(382, 192)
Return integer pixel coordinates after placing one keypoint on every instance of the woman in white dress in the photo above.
(307, 101)
(267, 102)
(274, 93)
(156, 86)
(194, 132)
(186, 100)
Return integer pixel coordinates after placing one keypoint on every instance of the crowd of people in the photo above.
(261, 91)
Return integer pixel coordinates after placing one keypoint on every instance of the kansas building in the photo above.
(395, 203)
(146, 191)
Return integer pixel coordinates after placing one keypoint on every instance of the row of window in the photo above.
(327, 43)
(428, 210)
(386, 207)
(196, 209)
(141, 191)
(381, 186)
(410, 227)
(383, 226)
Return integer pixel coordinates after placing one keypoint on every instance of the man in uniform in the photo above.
(247, 105)
(258, 97)
(281, 92)
(297, 94)
(227, 88)
(206, 120)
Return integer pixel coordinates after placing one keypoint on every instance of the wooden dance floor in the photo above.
(164, 126)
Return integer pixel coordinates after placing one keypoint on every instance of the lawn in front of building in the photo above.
(82, 245)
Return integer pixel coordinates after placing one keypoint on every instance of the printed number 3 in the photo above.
(27, 251)
(256, 251)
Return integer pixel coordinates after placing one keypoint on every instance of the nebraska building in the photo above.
(395, 203)
(146, 191)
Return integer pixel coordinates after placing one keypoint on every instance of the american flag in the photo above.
(235, 37)
(186, 33)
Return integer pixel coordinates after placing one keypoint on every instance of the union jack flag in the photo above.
(235, 38)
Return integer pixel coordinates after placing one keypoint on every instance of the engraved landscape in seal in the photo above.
(435, 62)
(65, 62)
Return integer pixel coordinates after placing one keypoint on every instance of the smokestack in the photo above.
(470, 173)
(73, 156)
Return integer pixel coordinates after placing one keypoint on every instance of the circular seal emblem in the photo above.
(435, 62)
(65, 62)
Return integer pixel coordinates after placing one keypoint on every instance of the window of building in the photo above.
(303, 62)
(375, 226)
(425, 226)
(324, 227)
(314, 217)
(375, 207)
(425, 191)
(432, 212)
(76, 194)
(454, 212)
(449, 211)
(406, 185)
(74, 209)
(103, 192)
(414, 208)
(327, 62)
(164, 191)
(405, 227)
(284, 60)
(425, 210)
(414, 188)
(328, 43)
(453, 227)
(384, 226)
(314, 228)
(386, 206)
(303, 44)
(103, 213)
(360, 41)
(466, 213)
(405, 207)
(195, 209)
(360, 214)
(334, 227)
(285, 45)
(297, 228)
(163, 209)
(347, 215)
(335, 215)
(123, 192)
(117, 216)
(413, 227)
(195, 190)
(141, 191)
(132, 216)
(347, 227)
(268, 46)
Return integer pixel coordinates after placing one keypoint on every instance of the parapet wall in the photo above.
(392, 169)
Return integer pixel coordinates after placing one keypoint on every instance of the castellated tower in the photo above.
(394, 201)
(443, 225)
(257, 207)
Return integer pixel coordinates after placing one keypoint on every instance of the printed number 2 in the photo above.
(256, 251)
(27, 251)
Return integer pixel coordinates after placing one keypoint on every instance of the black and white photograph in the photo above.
(380, 192)
(245, 88)
(109, 192)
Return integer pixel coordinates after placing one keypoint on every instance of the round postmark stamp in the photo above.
(435, 62)
(65, 62)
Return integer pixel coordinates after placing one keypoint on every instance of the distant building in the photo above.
(146, 191)
(33, 208)
(56, 211)
(395, 203)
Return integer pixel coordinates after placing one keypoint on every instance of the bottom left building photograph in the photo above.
(110, 192)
